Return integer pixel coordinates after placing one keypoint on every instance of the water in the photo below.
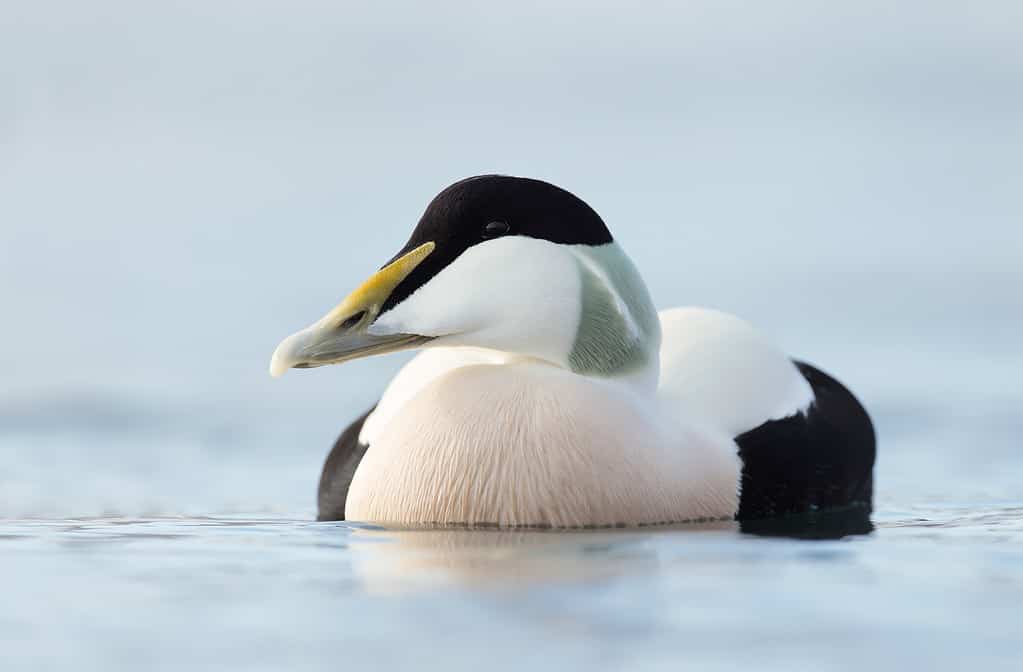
(937, 588)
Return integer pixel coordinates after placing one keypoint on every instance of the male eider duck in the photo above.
(551, 393)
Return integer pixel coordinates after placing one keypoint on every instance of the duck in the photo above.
(549, 392)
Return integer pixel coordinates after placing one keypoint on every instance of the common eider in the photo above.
(551, 393)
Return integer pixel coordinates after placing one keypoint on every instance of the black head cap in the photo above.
(482, 208)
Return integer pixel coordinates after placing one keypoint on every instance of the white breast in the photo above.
(527, 443)
(422, 370)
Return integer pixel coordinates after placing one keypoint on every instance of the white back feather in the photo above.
(724, 374)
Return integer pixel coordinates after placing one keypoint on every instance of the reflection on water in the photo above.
(505, 557)
(399, 558)
(278, 593)
(813, 525)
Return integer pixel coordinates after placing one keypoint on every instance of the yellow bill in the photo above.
(341, 334)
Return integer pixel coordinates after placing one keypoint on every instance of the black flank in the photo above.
(819, 460)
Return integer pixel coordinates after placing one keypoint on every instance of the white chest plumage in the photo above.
(527, 443)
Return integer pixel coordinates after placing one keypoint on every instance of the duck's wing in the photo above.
(805, 441)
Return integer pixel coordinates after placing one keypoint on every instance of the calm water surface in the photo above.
(931, 588)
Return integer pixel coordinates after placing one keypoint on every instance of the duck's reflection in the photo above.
(399, 559)
(813, 525)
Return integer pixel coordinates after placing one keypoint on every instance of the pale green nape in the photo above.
(619, 331)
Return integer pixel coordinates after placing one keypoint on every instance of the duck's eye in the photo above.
(495, 229)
